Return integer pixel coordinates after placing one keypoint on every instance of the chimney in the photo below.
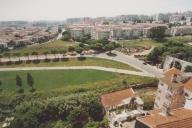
(174, 78)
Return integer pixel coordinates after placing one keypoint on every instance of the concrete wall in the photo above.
(170, 59)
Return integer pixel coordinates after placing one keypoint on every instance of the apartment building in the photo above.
(181, 30)
(173, 103)
(115, 32)
(175, 18)
(170, 90)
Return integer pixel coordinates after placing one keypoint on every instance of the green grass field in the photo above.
(75, 62)
(59, 80)
(57, 45)
(182, 39)
(54, 79)
(147, 43)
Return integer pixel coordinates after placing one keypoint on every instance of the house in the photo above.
(121, 106)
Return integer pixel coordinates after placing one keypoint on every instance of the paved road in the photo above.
(133, 62)
(79, 67)
(130, 60)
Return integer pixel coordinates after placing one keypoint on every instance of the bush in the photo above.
(56, 60)
(20, 90)
(81, 58)
(18, 62)
(47, 60)
(28, 61)
(75, 109)
(9, 63)
(78, 118)
(188, 69)
(36, 61)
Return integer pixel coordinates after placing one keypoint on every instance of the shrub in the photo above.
(188, 69)
(81, 58)
(78, 118)
(65, 59)
(28, 61)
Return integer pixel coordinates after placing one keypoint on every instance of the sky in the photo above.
(33, 10)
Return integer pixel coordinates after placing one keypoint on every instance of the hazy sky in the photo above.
(61, 9)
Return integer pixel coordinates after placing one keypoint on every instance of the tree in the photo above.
(158, 32)
(1, 86)
(7, 54)
(45, 53)
(154, 56)
(30, 81)
(59, 30)
(78, 118)
(109, 47)
(124, 82)
(97, 46)
(66, 35)
(71, 49)
(188, 69)
(27, 54)
(176, 64)
(35, 53)
(79, 50)
(19, 83)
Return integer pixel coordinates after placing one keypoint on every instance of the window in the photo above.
(186, 94)
(168, 96)
(161, 84)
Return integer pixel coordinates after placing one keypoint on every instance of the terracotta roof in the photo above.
(188, 84)
(179, 118)
(167, 78)
(172, 71)
(115, 98)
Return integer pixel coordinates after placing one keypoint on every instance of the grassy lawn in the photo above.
(47, 80)
(66, 80)
(75, 62)
(44, 47)
(184, 39)
(147, 43)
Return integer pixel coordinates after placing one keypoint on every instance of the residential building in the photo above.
(189, 21)
(181, 30)
(121, 106)
(162, 17)
(175, 18)
(173, 103)
(113, 31)
(170, 90)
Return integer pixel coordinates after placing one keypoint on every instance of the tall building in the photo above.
(173, 103)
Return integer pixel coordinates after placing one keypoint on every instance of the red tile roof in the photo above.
(172, 71)
(115, 98)
(188, 84)
(179, 118)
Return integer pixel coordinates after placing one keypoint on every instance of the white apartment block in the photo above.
(174, 90)
(175, 18)
(125, 31)
(181, 30)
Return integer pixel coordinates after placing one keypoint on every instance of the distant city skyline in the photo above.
(33, 10)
